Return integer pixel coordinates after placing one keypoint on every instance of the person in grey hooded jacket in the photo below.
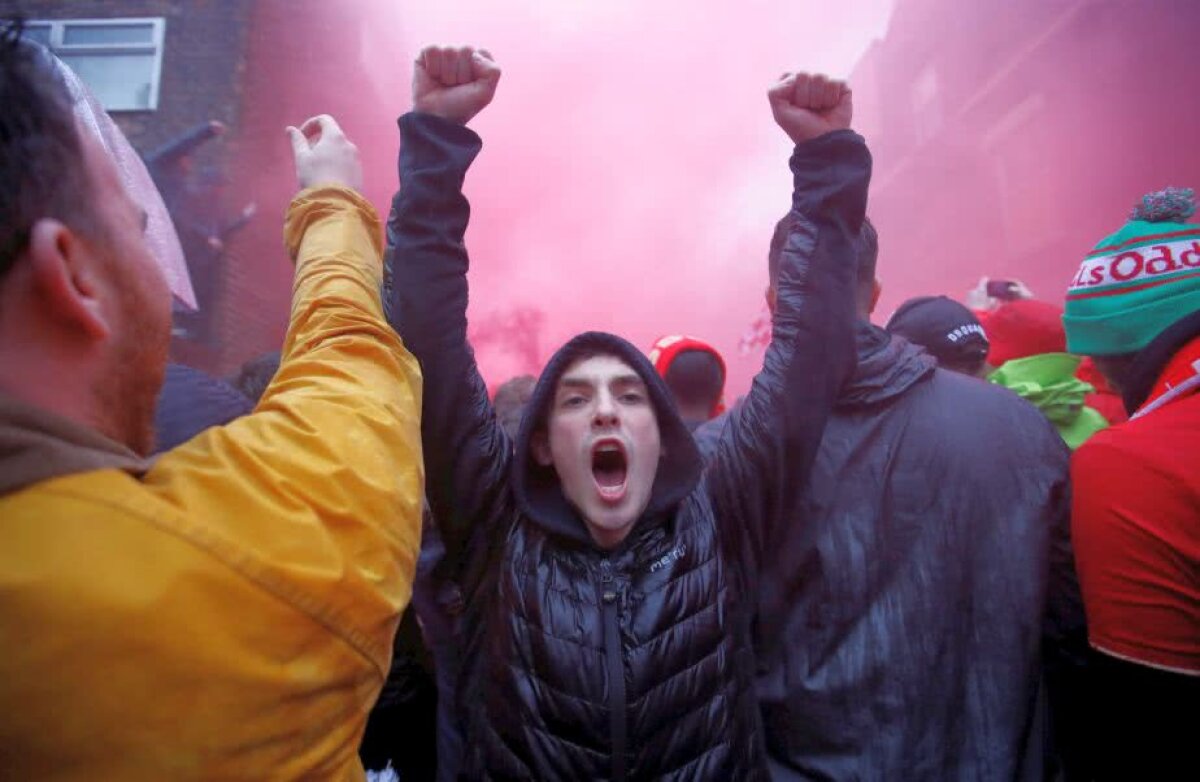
(926, 593)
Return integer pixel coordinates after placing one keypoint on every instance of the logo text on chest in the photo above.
(668, 558)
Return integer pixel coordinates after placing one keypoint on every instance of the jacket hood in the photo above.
(888, 365)
(1047, 381)
(37, 445)
(537, 488)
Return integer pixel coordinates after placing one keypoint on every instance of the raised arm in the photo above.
(766, 451)
(466, 452)
(316, 495)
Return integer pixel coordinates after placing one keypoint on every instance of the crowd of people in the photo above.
(964, 546)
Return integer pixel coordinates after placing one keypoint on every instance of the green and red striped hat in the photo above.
(1138, 281)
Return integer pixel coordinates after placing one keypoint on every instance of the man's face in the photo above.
(139, 304)
(603, 440)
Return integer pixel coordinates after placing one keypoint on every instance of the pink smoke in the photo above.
(631, 172)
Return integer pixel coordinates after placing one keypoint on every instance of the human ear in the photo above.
(65, 275)
(540, 443)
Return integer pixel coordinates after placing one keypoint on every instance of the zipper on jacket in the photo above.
(616, 669)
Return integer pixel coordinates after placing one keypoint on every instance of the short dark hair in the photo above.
(868, 256)
(695, 378)
(42, 171)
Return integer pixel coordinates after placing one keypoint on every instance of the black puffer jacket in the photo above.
(928, 591)
(633, 663)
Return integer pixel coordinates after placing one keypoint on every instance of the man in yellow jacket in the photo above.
(227, 611)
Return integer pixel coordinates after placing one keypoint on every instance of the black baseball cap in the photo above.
(946, 329)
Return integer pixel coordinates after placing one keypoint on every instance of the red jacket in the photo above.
(1136, 526)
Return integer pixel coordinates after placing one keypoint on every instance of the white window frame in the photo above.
(158, 25)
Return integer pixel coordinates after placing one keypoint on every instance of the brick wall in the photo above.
(203, 58)
(1052, 119)
(201, 79)
(304, 57)
(259, 65)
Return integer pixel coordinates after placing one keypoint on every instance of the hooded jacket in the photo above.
(226, 611)
(1048, 382)
(901, 637)
(634, 662)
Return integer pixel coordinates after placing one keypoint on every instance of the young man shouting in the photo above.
(608, 581)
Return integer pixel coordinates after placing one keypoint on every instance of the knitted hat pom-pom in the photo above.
(1172, 205)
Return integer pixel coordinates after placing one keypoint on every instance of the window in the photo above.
(118, 59)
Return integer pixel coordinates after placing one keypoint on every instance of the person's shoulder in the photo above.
(708, 434)
(962, 419)
(964, 395)
(1139, 469)
(113, 489)
(1110, 446)
(1152, 441)
(137, 511)
(715, 425)
(971, 389)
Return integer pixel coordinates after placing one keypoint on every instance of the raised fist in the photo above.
(454, 83)
(808, 106)
(324, 155)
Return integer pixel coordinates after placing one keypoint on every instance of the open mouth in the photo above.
(610, 468)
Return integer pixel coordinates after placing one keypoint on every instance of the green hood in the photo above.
(1048, 381)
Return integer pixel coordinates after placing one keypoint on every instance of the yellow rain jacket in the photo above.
(226, 612)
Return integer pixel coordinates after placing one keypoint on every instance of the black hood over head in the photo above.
(537, 488)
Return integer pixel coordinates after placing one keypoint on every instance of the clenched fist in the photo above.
(808, 106)
(454, 83)
(324, 155)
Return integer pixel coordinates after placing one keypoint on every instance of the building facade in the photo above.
(165, 68)
(1010, 136)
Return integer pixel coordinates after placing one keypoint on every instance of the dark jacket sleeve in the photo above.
(1064, 641)
(708, 434)
(425, 287)
(767, 448)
